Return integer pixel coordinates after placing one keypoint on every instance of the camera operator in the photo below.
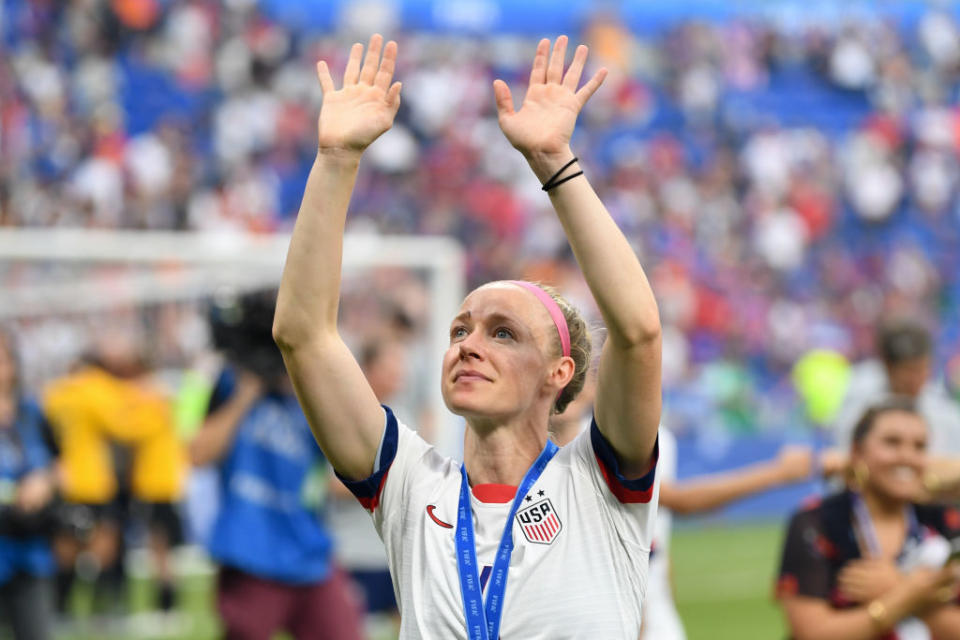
(276, 556)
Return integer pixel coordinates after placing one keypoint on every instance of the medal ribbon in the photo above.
(868, 535)
(483, 618)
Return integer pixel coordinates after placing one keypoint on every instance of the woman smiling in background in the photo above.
(867, 562)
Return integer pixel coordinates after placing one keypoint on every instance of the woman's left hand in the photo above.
(864, 580)
(545, 121)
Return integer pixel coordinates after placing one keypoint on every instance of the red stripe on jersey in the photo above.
(371, 503)
(622, 493)
(541, 534)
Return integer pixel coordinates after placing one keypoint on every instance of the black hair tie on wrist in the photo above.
(550, 184)
(560, 182)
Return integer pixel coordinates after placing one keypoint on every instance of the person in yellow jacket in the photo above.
(98, 411)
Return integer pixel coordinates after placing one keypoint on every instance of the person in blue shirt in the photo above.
(276, 556)
(27, 490)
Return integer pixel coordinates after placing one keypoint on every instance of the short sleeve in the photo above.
(401, 454)
(951, 522)
(368, 490)
(950, 529)
(629, 506)
(805, 562)
(947, 523)
(626, 491)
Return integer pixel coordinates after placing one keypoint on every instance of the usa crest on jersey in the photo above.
(539, 522)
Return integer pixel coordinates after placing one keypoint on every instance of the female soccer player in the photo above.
(869, 562)
(523, 540)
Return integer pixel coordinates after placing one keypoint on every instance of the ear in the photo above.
(562, 372)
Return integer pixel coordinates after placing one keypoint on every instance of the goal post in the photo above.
(166, 266)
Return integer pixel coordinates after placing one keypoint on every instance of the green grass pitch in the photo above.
(723, 576)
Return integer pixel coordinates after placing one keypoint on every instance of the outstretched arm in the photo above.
(628, 393)
(342, 409)
(793, 464)
(941, 480)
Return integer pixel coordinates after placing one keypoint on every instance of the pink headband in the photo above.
(553, 309)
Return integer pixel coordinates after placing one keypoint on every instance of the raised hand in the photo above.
(545, 121)
(833, 462)
(357, 114)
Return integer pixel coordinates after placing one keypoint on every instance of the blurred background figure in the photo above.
(359, 549)
(697, 495)
(869, 562)
(123, 468)
(277, 569)
(27, 508)
(903, 367)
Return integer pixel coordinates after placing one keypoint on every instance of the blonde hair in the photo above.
(581, 348)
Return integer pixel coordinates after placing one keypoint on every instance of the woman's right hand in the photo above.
(352, 117)
(249, 384)
(867, 579)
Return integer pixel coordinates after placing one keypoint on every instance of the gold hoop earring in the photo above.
(861, 474)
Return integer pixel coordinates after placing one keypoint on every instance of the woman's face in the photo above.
(894, 452)
(496, 365)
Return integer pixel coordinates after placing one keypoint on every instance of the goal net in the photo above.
(63, 289)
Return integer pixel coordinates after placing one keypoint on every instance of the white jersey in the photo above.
(582, 539)
(660, 618)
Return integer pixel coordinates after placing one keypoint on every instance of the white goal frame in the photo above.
(209, 263)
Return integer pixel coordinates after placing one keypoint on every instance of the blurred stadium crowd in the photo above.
(816, 164)
(790, 187)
